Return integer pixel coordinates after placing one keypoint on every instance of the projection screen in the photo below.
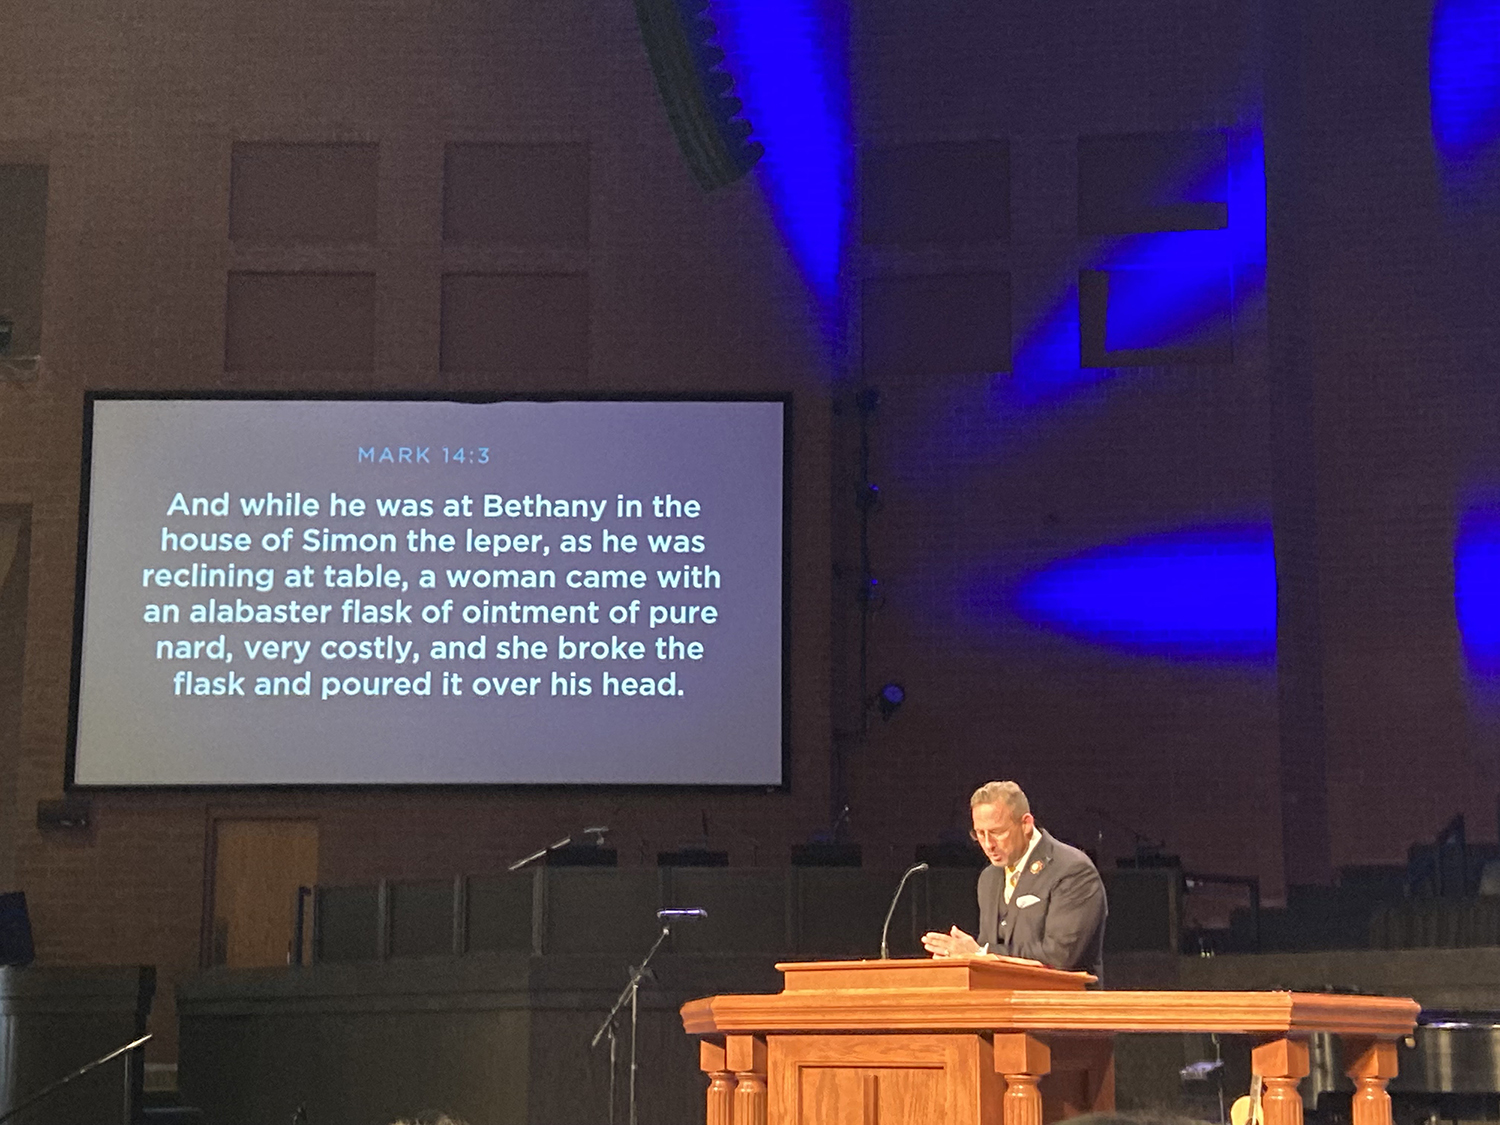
(399, 592)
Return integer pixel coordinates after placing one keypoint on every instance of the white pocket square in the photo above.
(1027, 900)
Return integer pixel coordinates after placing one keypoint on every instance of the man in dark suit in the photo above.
(1040, 898)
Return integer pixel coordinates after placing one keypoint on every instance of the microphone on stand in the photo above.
(631, 996)
(885, 954)
(597, 831)
(539, 853)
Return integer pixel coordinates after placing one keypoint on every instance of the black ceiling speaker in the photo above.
(696, 91)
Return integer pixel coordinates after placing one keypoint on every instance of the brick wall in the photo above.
(135, 113)
(135, 116)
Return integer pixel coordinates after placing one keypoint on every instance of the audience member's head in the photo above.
(430, 1117)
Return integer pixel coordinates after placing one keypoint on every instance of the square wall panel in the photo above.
(303, 194)
(601, 912)
(953, 193)
(942, 324)
(747, 910)
(516, 194)
(421, 922)
(840, 912)
(300, 322)
(1167, 308)
(1139, 182)
(1157, 316)
(348, 924)
(500, 912)
(519, 322)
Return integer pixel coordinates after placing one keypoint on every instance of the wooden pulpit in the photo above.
(994, 1041)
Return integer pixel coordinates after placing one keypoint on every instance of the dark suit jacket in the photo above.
(1056, 913)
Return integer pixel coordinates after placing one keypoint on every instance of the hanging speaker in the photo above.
(696, 91)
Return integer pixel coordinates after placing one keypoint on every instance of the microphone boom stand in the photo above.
(79, 1073)
(631, 995)
(539, 854)
(598, 831)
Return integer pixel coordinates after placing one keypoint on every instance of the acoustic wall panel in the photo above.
(938, 192)
(303, 194)
(1138, 182)
(520, 195)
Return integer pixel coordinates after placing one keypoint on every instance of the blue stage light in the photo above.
(1206, 593)
(890, 698)
(1464, 77)
(1170, 305)
(1476, 589)
(787, 58)
(1170, 289)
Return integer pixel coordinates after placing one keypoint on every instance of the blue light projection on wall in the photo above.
(1173, 299)
(1476, 588)
(787, 58)
(1464, 78)
(1201, 593)
(1173, 287)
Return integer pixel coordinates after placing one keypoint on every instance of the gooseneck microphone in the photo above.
(885, 953)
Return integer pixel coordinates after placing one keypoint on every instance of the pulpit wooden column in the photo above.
(1372, 1064)
(1282, 1064)
(993, 1041)
(746, 1057)
(1023, 1060)
(721, 1082)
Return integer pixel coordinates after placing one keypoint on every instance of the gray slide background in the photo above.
(725, 729)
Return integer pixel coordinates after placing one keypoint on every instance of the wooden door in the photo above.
(258, 866)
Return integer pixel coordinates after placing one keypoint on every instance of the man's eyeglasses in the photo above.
(985, 835)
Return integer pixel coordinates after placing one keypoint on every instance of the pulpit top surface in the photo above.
(948, 974)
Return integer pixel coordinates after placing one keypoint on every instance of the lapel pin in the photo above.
(1036, 867)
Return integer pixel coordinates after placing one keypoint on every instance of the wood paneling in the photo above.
(422, 918)
(258, 866)
(867, 1044)
(54, 1020)
(1226, 1012)
(895, 1080)
(496, 1039)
